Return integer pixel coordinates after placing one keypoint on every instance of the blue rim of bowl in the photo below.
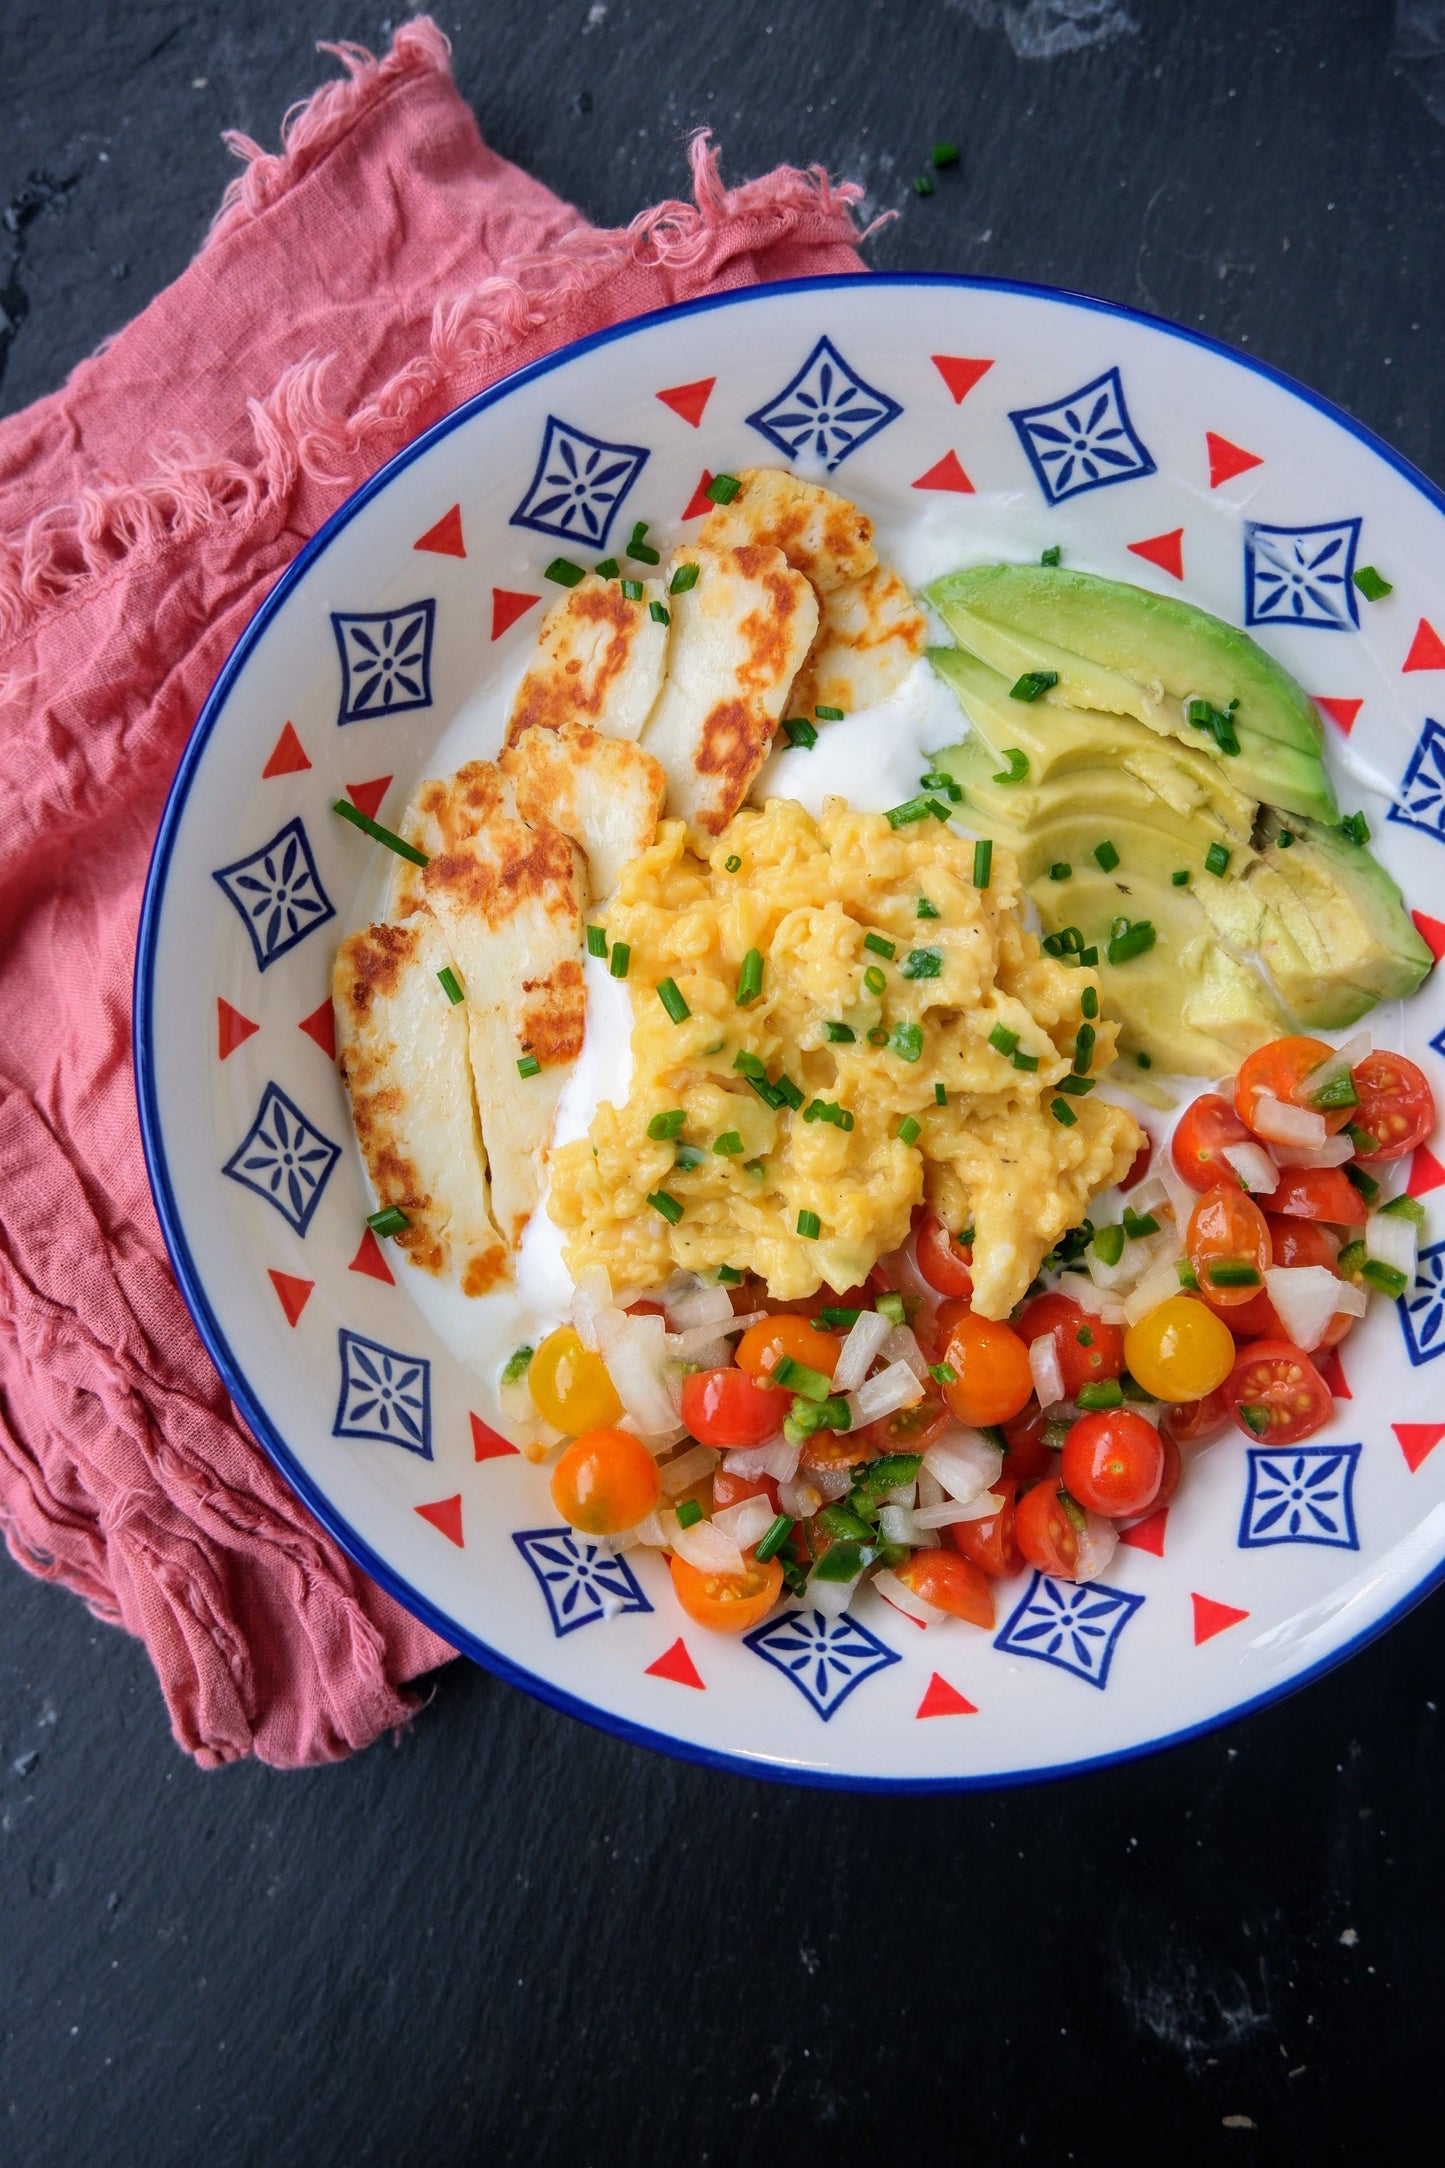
(189, 1280)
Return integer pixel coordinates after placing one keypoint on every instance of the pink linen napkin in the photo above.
(383, 268)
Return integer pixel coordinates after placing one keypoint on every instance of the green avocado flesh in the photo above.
(1306, 935)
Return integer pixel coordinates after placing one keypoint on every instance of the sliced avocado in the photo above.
(1103, 797)
(1261, 913)
(1364, 930)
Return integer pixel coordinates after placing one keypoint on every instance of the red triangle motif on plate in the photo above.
(1427, 649)
(445, 539)
(1164, 550)
(1426, 1172)
(320, 1025)
(1332, 1370)
(1342, 712)
(1148, 1534)
(1416, 1440)
(1431, 932)
(232, 1028)
(941, 1699)
(946, 474)
(1226, 459)
(677, 1665)
(488, 1444)
(367, 797)
(368, 1259)
(507, 607)
(699, 503)
(688, 401)
(288, 756)
(446, 1514)
(959, 373)
(292, 1294)
(1211, 1618)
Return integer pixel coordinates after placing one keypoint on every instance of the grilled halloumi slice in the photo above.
(739, 637)
(444, 812)
(509, 899)
(600, 660)
(605, 794)
(821, 534)
(870, 634)
(405, 1063)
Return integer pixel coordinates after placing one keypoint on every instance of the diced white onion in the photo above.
(952, 1511)
(894, 1388)
(1281, 1123)
(1255, 1168)
(748, 1461)
(1046, 1369)
(964, 1463)
(1304, 1297)
(1148, 1195)
(702, 1345)
(1156, 1287)
(743, 1319)
(1340, 1063)
(1113, 1279)
(832, 1598)
(634, 1349)
(902, 1598)
(1098, 1541)
(1392, 1239)
(799, 1499)
(897, 1524)
(1181, 1195)
(901, 1347)
(832, 1482)
(704, 1545)
(747, 1522)
(1332, 1153)
(782, 1460)
(699, 1305)
(1350, 1301)
(649, 1530)
(930, 1490)
(1106, 1307)
(689, 1468)
(594, 1293)
(860, 1350)
(902, 1494)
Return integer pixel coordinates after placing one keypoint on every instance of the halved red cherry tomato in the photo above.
(763, 1346)
(1284, 1394)
(1139, 1164)
(1396, 1106)
(944, 1262)
(989, 1544)
(1087, 1348)
(1043, 1530)
(1282, 1070)
(1026, 1457)
(1205, 1127)
(993, 1380)
(1190, 1422)
(1113, 1462)
(1302, 1242)
(645, 1308)
(1318, 1193)
(1295, 1242)
(827, 1450)
(1227, 1235)
(729, 1407)
(727, 1603)
(605, 1481)
(1173, 1471)
(906, 1430)
(731, 1490)
(951, 1583)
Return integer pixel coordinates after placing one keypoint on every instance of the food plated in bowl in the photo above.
(697, 1028)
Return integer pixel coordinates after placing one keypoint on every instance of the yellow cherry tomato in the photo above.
(605, 1482)
(570, 1386)
(1181, 1351)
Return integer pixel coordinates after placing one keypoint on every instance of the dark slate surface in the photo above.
(505, 1937)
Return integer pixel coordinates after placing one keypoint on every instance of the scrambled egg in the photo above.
(807, 894)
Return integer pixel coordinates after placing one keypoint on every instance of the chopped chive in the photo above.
(925, 909)
(1052, 944)
(378, 834)
(722, 489)
(1254, 1417)
(1185, 1272)
(729, 1276)
(943, 1373)
(1216, 859)
(732, 864)
(1063, 1112)
(923, 963)
(750, 979)
(1018, 766)
(982, 862)
(840, 1034)
(659, 613)
(684, 578)
(839, 1315)
(391, 1220)
(906, 1041)
(1075, 1086)
(621, 958)
(799, 732)
(596, 941)
(1085, 1336)
(667, 1205)
(944, 154)
(564, 572)
(1136, 940)
(1105, 856)
(450, 986)
(773, 1538)
(669, 994)
(1089, 1001)
(689, 1512)
(529, 1065)
(1284, 839)
(939, 812)
(1033, 684)
(644, 552)
(1371, 585)
(940, 1095)
(1083, 1049)
(1355, 829)
(1088, 957)
(1205, 716)
(729, 1145)
(749, 1065)
(632, 589)
(891, 1306)
(1226, 1272)
(1409, 1208)
(1109, 1244)
(1060, 870)
(609, 569)
(1180, 877)
(1144, 1061)
(787, 1092)
(1051, 555)
(874, 980)
(908, 1130)
(668, 1125)
(686, 1157)
(1366, 1184)
(829, 715)
(1002, 1040)
(1026, 1062)
(1100, 1393)
(937, 780)
(517, 1365)
(878, 1036)
(1119, 926)
(755, 1167)
(913, 809)
(922, 185)
(809, 1227)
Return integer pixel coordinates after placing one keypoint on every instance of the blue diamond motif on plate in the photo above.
(1300, 1494)
(384, 1394)
(824, 1657)
(1083, 441)
(1422, 1311)
(278, 893)
(1073, 1625)
(1301, 575)
(579, 485)
(580, 1579)
(284, 1158)
(1421, 799)
(385, 660)
(826, 412)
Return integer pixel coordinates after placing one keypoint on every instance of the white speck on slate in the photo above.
(1349, 1938)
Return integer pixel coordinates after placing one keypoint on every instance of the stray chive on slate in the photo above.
(661, 1201)
(1372, 585)
(450, 987)
(564, 572)
(528, 1065)
(800, 732)
(722, 489)
(1033, 684)
(621, 958)
(378, 834)
(944, 154)
(391, 1221)
(670, 995)
(922, 185)
(684, 578)
(596, 941)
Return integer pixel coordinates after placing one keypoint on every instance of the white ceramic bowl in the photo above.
(1011, 417)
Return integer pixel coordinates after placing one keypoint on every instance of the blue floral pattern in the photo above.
(1422, 1311)
(1421, 799)
(1301, 575)
(284, 1158)
(278, 893)
(384, 1394)
(825, 412)
(1300, 1494)
(825, 1658)
(1083, 441)
(1073, 1625)
(579, 484)
(385, 660)
(580, 1579)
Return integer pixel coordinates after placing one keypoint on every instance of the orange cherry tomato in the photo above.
(1276, 1395)
(763, 1346)
(1087, 1348)
(1026, 1457)
(727, 1603)
(1227, 1235)
(731, 1490)
(989, 1544)
(826, 1450)
(951, 1584)
(605, 1481)
(1396, 1106)
(943, 1261)
(993, 1381)
(1113, 1463)
(1044, 1532)
(1205, 1127)
(1282, 1070)
(730, 1408)
(1191, 1422)
(1317, 1193)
